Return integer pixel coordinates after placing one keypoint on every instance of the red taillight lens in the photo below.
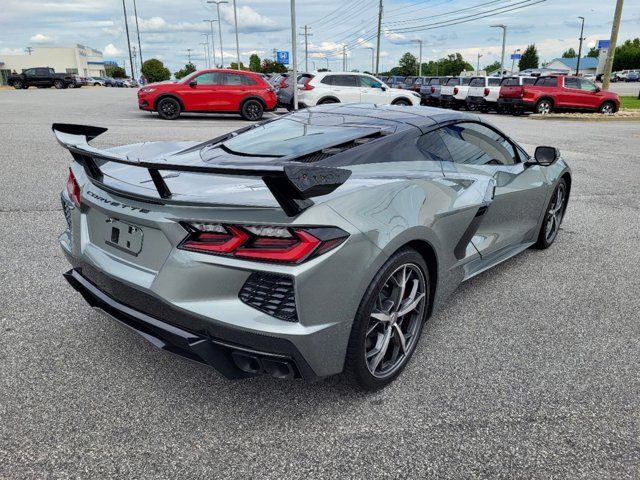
(306, 86)
(271, 244)
(455, 90)
(433, 89)
(486, 92)
(73, 189)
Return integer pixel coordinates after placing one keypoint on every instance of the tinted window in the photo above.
(571, 82)
(494, 82)
(235, 79)
(453, 81)
(476, 82)
(475, 144)
(208, 79)
(368, 82)
(528, 81)
(30, 71)
(345, 81)
(433, 148)
(42, 71)
(466, 80)
(546, 81)
(509, 81)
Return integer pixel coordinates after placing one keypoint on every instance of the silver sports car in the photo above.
(308, 245)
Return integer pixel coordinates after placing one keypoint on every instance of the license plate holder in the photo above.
(124, 236)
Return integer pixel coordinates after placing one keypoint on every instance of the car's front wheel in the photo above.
(608, 108)
(402, 102)
(18, 85)
(252, 110)
(553, 216)
(389, 321)
(59, 84)
(168, 108)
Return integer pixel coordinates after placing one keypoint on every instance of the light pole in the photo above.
(235, 19)
(420, 58)
(314, 65)
(580, 47)
(135, 12)
(327, 59)
(213, 47)
(294, 66)
(126, 25)
(513, 59)
(207, 58)
(206, 47)
(372, 65)
(478, 66)
(218, 2)
(504, 39)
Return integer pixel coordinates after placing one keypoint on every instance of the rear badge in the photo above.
(124, 236)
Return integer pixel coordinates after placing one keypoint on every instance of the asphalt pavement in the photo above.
(532, 370)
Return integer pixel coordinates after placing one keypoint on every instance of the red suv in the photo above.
(225, 91)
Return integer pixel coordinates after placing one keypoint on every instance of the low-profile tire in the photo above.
(168, 108)
(252, 110)
(403, 102)
(544, 106)
(326, 101)
(553, 216)
(607, 108)
(59, 84)
(383, 338)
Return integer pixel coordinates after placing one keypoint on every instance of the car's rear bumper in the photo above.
(476, 100)
(233, 352)
(511, 102)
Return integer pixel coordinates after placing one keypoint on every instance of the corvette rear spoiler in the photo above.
(292, 185)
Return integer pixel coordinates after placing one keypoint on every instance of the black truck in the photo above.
(43, 77)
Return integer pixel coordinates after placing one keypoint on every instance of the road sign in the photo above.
(516, 56)
(282, 57)
(602, 44)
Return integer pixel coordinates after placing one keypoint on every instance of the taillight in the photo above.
(283, 83)
(73, 189)
(486, 92)
(306, 86)
(433, 89)
(455, 90)
(262, 243)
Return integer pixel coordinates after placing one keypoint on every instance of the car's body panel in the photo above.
(469, 217)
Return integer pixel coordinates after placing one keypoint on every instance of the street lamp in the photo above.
(207, 58)
(420, 58)
(206, 52)
(218, 2)
(478, 66)
(372, 51)
(513, 59)
(235, 18)
(580, 47)
(327, 59)
(504, 38)
(213, 47)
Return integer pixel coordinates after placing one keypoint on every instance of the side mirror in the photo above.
(193, 83)
(546, 155)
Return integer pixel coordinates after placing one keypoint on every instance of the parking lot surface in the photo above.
(532, 370)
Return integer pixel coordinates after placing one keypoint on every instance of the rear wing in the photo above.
(292, 185)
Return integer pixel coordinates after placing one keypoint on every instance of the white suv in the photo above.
(352, 87)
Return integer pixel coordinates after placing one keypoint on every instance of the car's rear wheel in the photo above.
(252, 110)
(389, 321)
(608, 108)
(553, 216)
(544, 106)
(168, 108)
(59, 84)
(327, 101)
(402, 102)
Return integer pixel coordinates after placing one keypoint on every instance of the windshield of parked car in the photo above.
(297, 134)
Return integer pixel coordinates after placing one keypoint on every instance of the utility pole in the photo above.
(218, 2)
(580, 47)
(327, 59)
(612, 45)
(126, 24)
(208, 57)
(372, 52)
(275, 54)
(378, 41)
(294, 73)
(306, 36)
(344, 58)
(478, 67)
(29, 50)
(135, 58)
(135, 12)
(206, 47)
(213, 46)
(420, 58)
(513, 60)
(189, 54)
(235, 18)
(504, 39)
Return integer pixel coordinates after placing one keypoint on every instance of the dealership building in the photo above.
(81, 60)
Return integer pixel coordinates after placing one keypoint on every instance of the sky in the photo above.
(168, 28)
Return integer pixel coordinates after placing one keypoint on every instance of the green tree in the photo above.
(115, 71)
(594, 53)
(408, 65)
(627, 56)
(492, 67)
(234, 66)
(571, 53)
(529, 58)
(269, 66)
(155, 71)
(186, 70)
(254, 63)
(323, 70)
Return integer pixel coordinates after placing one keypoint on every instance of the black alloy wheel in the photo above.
(168, 108)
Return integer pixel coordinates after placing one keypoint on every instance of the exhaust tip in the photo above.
(278, 369)
(247, 363)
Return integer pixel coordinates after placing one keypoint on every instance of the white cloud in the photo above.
(111, 50)
(249, 20)
(11, 51)
(394, 37)
(40, 38)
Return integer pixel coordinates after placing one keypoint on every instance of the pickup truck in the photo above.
(479, 90)
(43, 77)
(509, 94)
(453, 94)
(431, 92)
(564, 92)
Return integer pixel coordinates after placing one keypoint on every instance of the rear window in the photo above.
(434, 81)
(494, 82)
(466, 80)
(453, 81)
(409, 80)
(546, 82)
(509, 82)
(477, 82)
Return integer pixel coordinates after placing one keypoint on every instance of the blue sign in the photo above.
(604, 44)
(516, 56)
(282, 57)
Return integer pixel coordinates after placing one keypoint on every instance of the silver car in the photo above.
(306, 246)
